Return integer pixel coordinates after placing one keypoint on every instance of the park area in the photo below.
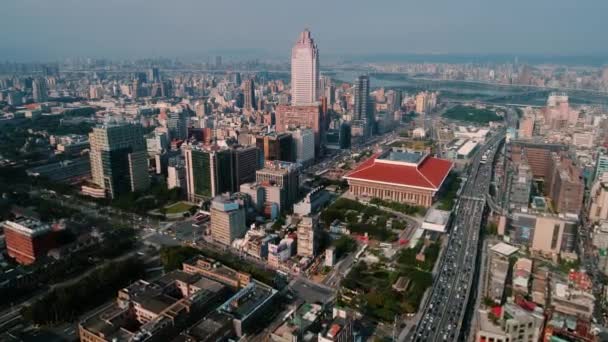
(385, 290)
(361, 218)
(178, 207)
(472, 114)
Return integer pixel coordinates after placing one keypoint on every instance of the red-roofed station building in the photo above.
(405, 177)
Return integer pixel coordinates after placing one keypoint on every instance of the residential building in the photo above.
(249, 96)
(307, 236)
(511, 323)
(498, 262)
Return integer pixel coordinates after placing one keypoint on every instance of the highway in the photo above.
(445, 310)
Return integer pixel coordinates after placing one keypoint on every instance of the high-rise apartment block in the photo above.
(249, 96)
(119, 160)
(307, 236)
(304, 71)
(227, 220)
(362, 111)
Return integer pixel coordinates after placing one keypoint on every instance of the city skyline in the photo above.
(33, 30)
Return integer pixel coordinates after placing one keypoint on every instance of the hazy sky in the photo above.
(50, 29)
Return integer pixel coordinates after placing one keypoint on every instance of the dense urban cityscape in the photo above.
(249, 199)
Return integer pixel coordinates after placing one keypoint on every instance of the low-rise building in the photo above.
(153, 311)
(510, 323)
(214, 270)
(248, 305)
(572, 302)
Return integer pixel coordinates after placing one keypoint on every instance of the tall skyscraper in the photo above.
(249, 92)
(119, 160)
(304, 71)
(362, 111)
(39, 92)
(153, 75)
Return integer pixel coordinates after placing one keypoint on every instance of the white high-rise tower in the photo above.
(304, 71)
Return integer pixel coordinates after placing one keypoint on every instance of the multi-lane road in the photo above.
(444, 312)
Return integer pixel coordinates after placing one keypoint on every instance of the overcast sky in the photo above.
(51, 29)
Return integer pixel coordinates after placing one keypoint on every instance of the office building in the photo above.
(227, 220)
(289, 117)
(39, 91)
(537, 155)
(393, 101)
(69, 171)
(307, 236)
(153, 75)
(211, 170)
(276, 146)
(177, 123)
(176, 174)
(283, 175)
(304, 71)
(304, 144)
(119, 161)
(248, 306)
(250, 103)
(399, 176)
(545, 235)
(565, 185)
(246, 161)
(27, 239)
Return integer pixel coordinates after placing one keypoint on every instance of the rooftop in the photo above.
(504, 249)
(428, 173)
(248, 300)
